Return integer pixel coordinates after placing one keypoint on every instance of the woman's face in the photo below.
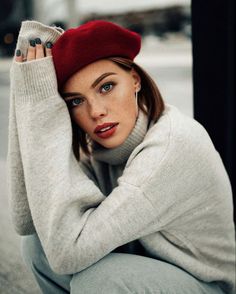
(101, 98)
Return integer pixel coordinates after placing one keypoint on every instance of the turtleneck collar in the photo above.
(120, 154)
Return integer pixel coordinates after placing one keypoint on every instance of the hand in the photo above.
(36, 50)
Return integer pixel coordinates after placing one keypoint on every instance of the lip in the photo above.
(105, 125)
(109, 132)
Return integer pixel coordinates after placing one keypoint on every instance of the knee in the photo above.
(31, 250)
(103, 275)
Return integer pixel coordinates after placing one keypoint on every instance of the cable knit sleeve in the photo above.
(17, 194)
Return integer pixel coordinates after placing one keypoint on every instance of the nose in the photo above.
(97, 108)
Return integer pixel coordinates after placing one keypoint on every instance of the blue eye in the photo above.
(75, 102)
(107, 87)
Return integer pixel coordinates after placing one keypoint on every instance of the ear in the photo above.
(136, 78)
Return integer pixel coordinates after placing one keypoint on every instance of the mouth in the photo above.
(106, 130)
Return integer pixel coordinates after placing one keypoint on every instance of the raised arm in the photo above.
(17, 193)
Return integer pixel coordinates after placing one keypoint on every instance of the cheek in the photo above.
(125, 98)
(127, 103)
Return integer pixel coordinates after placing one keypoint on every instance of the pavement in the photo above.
(169, 65)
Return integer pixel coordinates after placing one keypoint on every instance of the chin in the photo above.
(112, 142)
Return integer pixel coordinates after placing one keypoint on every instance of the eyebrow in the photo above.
(94, 84)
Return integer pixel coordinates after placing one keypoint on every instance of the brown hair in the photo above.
(149, 97)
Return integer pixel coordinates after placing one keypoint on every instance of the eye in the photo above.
(75, 102)
(107, 87)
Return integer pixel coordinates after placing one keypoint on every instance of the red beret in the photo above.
(94, 40)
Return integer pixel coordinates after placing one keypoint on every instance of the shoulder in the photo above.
(174, 132)
(180, 129)
(175, 141)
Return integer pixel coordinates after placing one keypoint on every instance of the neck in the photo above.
(121, 153)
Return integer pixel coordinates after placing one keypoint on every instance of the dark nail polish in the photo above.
(49, 45)
(32, 43)
(38, 41)
(18, 52)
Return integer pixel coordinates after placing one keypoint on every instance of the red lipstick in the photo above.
(105, 130)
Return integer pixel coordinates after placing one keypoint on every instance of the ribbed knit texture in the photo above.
(172, 196)
(31, 30)
(45, 84)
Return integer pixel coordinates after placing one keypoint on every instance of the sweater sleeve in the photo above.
(17, 194)
(75, 222)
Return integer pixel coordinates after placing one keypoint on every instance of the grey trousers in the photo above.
(116, 273)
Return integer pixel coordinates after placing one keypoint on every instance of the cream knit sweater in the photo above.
(165, 189)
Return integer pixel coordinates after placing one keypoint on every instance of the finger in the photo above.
(23, 58)
(31, 54)
(18, 56)
(39, 48)
(48, 49)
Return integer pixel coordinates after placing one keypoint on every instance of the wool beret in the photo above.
(94, 40)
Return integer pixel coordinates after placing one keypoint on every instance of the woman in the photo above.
(146, 207)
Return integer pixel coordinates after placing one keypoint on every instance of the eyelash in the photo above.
(71, 102)
(107, 84)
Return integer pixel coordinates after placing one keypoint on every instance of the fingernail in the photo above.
(18, 52)
(49, 45)
(38, 41)
(32, 43)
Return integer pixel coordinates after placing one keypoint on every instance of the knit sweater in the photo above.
(164, 193)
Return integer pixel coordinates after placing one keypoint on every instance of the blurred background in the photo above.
(176, 36)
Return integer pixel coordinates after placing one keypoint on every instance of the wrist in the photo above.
(34, 80)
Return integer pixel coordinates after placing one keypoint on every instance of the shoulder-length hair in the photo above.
(150, 102)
